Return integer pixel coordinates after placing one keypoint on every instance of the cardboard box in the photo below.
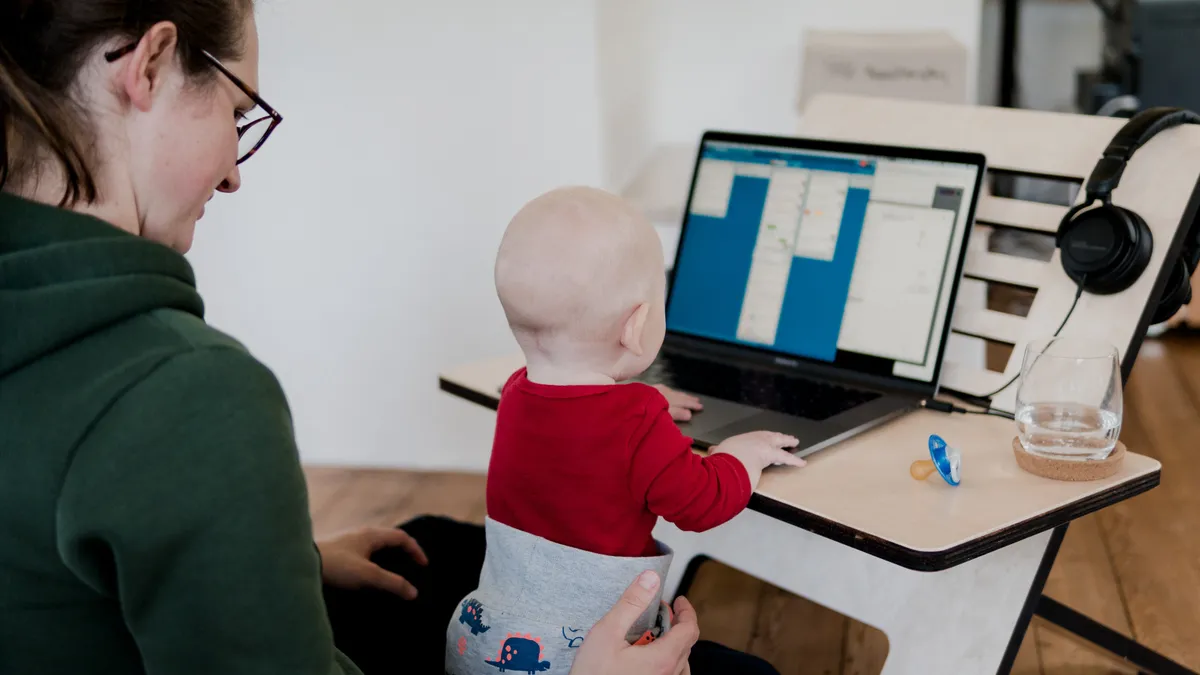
(924, 65)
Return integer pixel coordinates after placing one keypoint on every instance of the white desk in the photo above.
(859, 492)
(854, 532)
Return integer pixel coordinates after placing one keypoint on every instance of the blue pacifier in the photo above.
(945, 460)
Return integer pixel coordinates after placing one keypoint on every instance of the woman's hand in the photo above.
(681, 404)
(605, 651)
(346, 560)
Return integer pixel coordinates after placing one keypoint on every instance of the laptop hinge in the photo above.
(798, 368)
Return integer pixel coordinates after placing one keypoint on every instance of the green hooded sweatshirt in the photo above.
(153, 513)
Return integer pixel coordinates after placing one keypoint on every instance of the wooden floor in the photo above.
(1134, 567)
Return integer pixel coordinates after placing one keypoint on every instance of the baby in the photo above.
(581, 466)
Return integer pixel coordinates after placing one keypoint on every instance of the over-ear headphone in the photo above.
(1105, 248)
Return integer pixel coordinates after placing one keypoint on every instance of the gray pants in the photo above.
(537, 600)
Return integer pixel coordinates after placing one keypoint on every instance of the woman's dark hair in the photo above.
(45, 43)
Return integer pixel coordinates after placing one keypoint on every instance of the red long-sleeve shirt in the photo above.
(592, 467)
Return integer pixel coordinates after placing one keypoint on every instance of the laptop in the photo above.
(813, 284)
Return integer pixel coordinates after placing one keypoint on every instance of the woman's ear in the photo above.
(146, 70)
(635, 326)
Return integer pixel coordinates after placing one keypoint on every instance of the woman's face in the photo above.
(183, 147)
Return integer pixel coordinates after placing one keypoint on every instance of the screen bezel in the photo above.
(772, 359)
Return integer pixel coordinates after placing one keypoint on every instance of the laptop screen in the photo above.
(842, 257)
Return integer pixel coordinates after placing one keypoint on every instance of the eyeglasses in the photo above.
(251, 135)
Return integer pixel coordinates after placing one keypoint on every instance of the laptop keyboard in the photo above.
(792, 395)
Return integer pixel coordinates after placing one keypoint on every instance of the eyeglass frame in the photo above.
(271, 113)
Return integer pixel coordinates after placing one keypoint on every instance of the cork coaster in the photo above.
(1065, 469)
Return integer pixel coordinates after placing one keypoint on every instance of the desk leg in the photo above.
(1031, 600)
(956, 621)
(1136, 654)
(1052, 611)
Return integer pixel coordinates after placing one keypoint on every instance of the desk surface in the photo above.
(859, 492)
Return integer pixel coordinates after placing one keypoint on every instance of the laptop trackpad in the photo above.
(807, 431)
(717, 413)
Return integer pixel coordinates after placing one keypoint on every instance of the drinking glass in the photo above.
(1069, 403)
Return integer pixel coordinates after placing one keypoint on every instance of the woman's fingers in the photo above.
(685, 614)
(390, 537)
(670, 652)
(636, 598)
(393, 583)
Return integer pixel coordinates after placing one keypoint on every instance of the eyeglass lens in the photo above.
(250, 136)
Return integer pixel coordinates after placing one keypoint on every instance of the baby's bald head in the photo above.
(573, 264)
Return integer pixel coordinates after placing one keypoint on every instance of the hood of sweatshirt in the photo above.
(65, 276)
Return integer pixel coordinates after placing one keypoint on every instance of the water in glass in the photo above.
(1068, 430)
(1069, 400)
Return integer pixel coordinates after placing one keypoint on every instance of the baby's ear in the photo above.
(635, 325)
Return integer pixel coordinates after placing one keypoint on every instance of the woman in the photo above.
(153, 514)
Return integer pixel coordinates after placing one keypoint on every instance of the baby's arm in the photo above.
(695, 493)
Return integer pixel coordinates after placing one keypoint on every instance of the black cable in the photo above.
(1006, 385)
(990, 411)
(948, 408)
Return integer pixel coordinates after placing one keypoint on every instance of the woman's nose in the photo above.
(232, 182)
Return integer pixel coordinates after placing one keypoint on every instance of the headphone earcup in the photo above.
(1176, 294)
(1105, 248)
(1139, 253)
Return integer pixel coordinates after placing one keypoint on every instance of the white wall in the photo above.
(736, 65)
(356, 261)
(357, 258)
(628, 77)
(717, 64)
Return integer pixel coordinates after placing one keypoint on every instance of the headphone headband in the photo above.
(1139, 129)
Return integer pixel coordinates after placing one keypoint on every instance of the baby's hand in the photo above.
(759, 449)
(681, 405)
